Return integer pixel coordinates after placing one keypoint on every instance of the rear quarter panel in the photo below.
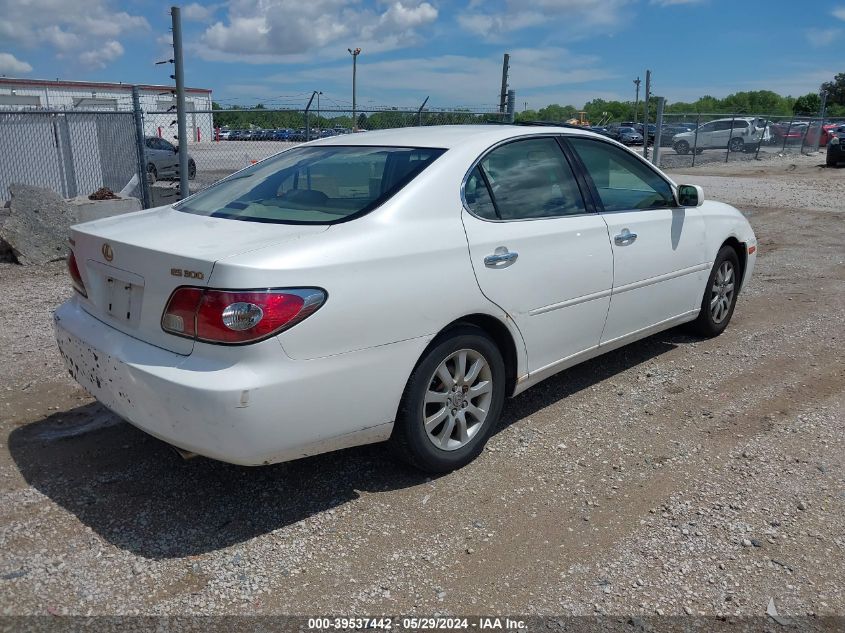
(398, 273)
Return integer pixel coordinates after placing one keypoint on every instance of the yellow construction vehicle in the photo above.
(581, 120)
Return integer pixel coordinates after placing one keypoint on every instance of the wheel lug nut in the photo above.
(464, 405)
(454, 411)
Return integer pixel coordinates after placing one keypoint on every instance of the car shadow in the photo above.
(136, 493)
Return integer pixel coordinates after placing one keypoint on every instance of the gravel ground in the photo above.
(675, 476)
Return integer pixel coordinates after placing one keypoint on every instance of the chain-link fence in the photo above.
(72, 153)
(687, 140)
(224, 141)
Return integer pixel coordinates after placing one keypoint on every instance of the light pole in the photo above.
(354, 54)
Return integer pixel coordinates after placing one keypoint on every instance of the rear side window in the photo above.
(478, 196)
(531, 179)
(623, 181)
(313, 185)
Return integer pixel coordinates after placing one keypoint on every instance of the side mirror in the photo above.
(690, 195)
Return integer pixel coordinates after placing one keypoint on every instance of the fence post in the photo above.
(646, 98)
(307, 119)
(419, 112)
(695, 141)
(511, 106)
(658, 132)
(181, 122)
(786, 136)
(140, 148)
(760, 142)
(730, 138)
(806, 133)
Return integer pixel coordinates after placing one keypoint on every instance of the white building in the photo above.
(156, 102)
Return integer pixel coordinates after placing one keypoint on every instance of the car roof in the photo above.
(449, 136)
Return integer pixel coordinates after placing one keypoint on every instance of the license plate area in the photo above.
(119, 298)
(117, 293)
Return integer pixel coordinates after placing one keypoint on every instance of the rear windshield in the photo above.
(313, 185)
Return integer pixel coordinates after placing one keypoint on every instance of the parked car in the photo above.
(736, 134)
(282, 135)
(652, 130)
(668, 133)
(626, 136)
(223, 134)
(835, 149)
(386, 287)
(162, 159)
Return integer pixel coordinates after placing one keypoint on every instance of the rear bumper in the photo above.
(246, 405)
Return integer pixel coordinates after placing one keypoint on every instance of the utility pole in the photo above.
(179, 76)
(637, 83)
(354, 54)
(503, 96)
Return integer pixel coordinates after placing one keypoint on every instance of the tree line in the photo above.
(596, 111)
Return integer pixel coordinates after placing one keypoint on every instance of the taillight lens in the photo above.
(75, 277)
(236, 317)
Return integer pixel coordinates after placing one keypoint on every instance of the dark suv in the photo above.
(835, 150)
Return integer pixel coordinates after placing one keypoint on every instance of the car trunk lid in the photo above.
(131, 264)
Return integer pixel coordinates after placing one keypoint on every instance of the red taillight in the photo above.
(237, 316)
(75, 277)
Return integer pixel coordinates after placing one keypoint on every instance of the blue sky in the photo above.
(562, 51)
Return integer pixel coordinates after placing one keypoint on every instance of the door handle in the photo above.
(625, 238)
(501, 256)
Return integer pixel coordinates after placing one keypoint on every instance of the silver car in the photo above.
(163, 160)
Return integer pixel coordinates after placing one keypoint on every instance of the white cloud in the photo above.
(199, 12)
(838, 12)
(572, 17)
(11, 65)
(100, 57)
(88, 28)
(819, 38)
(264, 31)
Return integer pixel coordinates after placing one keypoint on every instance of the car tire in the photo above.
(720, 294)
(152, 173)
(192, 169)
(830, 161)
(682, 147)
(440, 425)
(736, 145)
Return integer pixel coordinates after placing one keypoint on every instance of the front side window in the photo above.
(623, 181)
(531, 179)
(313, 185)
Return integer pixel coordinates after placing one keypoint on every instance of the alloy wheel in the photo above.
(458, 399)
(722, 292)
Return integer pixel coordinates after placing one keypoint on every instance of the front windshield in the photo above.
(313, 185)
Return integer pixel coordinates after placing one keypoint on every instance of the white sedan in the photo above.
(396, 286)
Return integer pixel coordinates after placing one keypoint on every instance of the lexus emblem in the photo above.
(108, 253)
